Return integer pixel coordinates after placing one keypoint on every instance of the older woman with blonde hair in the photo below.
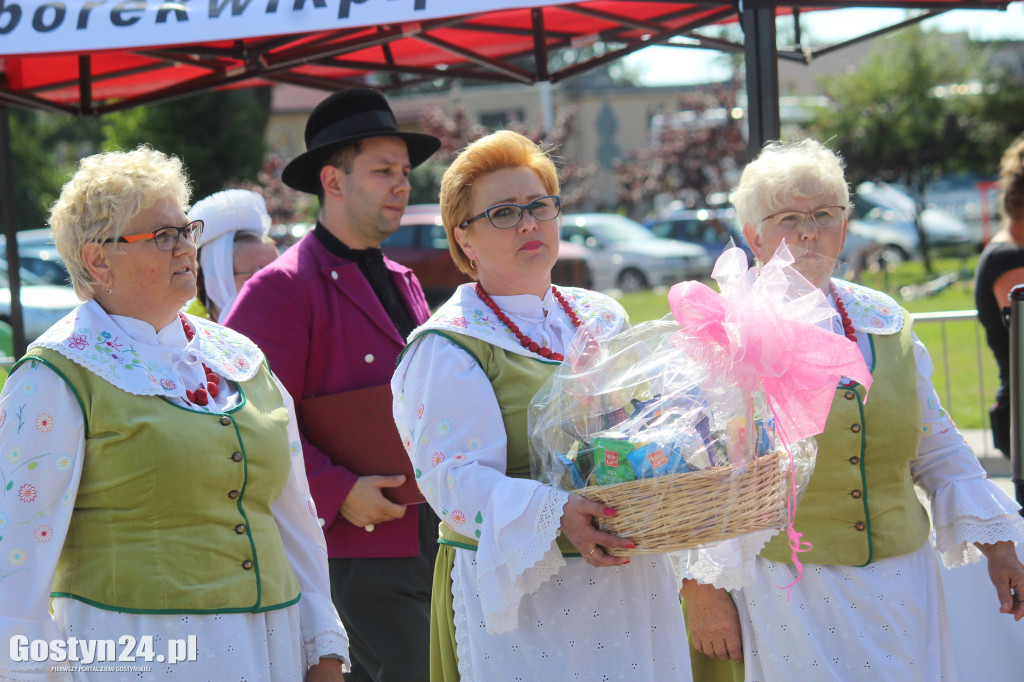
(153, 492)
(523, 586)
(869, 603)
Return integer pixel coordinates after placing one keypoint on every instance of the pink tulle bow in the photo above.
(765, 333)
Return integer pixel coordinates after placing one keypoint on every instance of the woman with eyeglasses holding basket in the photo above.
(153, 487)
(523, 586)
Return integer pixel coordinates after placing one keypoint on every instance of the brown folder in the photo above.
(357, 430)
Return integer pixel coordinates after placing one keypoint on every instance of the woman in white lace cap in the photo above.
(870, 602)
(154, 488)
(523, 587)
(234, 246)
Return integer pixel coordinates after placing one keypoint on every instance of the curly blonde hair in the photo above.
(785, 171)
(1011, 182)
(494, 152)
(106, 192)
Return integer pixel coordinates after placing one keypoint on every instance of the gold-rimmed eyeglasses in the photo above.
(165, 238)
(825, 217)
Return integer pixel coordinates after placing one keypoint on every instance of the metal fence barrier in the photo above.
(980, 349)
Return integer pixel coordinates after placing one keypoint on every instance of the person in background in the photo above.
(154, 488)
(524, 588)
(332, 314)
(233, 248)
(1000, 268)
(869, 604)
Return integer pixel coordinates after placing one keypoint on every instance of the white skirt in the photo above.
(885, 622)
(585, 623)
(232, 647)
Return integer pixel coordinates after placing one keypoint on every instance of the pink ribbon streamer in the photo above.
(764, 332)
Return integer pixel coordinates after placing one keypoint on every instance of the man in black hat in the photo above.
(331, 315)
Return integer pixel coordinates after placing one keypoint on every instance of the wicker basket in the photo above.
(684, 510)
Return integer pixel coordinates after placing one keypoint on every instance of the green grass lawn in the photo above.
(957, 348)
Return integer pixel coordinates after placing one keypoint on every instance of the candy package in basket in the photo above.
(696, 429)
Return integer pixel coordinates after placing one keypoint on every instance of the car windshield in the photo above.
(609, 228)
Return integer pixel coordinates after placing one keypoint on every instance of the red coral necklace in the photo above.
(201, 396)
(525, 340)
(841, 309)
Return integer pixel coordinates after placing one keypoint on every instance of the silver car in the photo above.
(42, 304)
(628, 256)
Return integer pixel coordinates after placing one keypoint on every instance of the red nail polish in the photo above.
(631, 546)
(608, 511)
(627, 561)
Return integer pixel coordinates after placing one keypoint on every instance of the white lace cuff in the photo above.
(969, 511)
(328, 644)
(527, 567)
(728, 564)
(955, 541)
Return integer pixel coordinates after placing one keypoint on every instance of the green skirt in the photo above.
(444, 664)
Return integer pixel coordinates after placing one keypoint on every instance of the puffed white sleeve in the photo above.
(323, 635)
(42, 443)
(966, 506)
(451, 425)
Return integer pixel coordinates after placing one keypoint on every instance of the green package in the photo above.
(610, 462)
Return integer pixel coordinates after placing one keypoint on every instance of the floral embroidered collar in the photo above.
(466, 314)
(871, 311)
(88, 336)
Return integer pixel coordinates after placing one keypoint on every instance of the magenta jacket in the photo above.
(324, 331)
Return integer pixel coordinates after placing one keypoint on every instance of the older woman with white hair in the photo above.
(869, 603)
(233, 247)
(154, 497)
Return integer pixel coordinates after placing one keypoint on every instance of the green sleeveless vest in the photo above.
(173, 510)
(516, 379)
(860, 505)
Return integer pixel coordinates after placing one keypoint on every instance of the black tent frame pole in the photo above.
(757, 18)
(11, 231)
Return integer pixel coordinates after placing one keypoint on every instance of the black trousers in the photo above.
(385, 606)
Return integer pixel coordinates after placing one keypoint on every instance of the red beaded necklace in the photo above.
(841, 309)
(201, 396)
(525, 340)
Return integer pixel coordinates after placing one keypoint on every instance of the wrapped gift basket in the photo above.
(696, 429)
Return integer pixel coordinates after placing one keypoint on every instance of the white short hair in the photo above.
(785, 171)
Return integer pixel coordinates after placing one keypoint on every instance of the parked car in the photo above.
(38, 255)
(628, 256)
(711, 228)
(885, 214)
(421, 244)
(42, 304)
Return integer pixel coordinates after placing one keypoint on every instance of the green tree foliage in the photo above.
(890, 119)
(218, 135)
(44, 150)
(886, 118)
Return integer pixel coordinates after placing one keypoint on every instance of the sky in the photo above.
(675, 66)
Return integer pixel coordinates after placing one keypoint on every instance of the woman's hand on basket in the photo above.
(714, 624)
(578, 525)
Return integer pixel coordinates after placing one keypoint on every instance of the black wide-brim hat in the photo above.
(353, 114)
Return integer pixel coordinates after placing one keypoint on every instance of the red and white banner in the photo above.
(54, 26)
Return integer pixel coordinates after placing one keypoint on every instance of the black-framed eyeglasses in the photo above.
(165, 238)
(825, 217)
(505, 216)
